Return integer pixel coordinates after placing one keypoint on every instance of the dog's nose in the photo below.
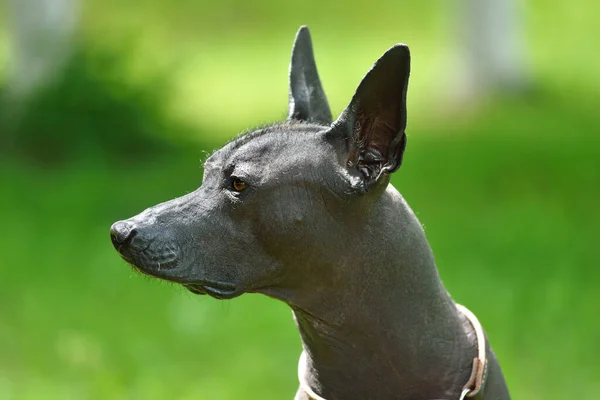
(122, 232)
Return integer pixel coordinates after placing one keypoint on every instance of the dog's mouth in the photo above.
(169, 268)
(218, 290)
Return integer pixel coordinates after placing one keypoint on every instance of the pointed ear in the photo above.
(373, 124)
(307, 99)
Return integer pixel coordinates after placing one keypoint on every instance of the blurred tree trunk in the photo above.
(40, 37)
(493, 47)
(41, 34)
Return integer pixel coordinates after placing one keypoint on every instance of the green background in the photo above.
(507, 187)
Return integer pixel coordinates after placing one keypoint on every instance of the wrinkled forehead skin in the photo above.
(273, 152)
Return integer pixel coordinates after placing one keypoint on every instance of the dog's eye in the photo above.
(238, 184)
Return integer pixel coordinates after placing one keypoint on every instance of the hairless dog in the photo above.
(303, 211)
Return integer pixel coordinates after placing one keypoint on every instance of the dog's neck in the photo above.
(388, 322)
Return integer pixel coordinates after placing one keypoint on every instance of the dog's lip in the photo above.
(157, 270)
(218, 290)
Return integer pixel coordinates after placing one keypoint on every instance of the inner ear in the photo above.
(374, 123)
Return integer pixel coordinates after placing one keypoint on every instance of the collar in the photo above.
(473, 389)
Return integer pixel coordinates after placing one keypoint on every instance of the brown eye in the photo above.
(239, 185)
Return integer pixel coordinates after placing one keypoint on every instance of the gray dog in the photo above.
(303, 212)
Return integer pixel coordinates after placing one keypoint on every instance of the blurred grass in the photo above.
(511, 216)
(508, 194)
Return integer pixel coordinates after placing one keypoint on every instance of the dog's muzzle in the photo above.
(144, 249)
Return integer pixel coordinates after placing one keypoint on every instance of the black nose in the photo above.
(122, 232)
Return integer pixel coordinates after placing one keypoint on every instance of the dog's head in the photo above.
(279, 206)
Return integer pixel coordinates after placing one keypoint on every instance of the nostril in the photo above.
(122, 232)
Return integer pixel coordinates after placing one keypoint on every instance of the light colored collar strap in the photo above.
(302, 378)
(474, 386)
(476, 383)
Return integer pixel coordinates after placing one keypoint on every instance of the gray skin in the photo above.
(302, 211)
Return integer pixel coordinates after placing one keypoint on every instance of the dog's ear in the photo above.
(373, 124)
(307, 100)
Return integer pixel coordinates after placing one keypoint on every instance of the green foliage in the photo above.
(93, 110)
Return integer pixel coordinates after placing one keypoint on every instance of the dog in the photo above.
(303, 211)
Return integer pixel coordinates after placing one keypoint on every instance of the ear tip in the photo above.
(303, 33)
(302, 42)
(400, 49)
(396, 56)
